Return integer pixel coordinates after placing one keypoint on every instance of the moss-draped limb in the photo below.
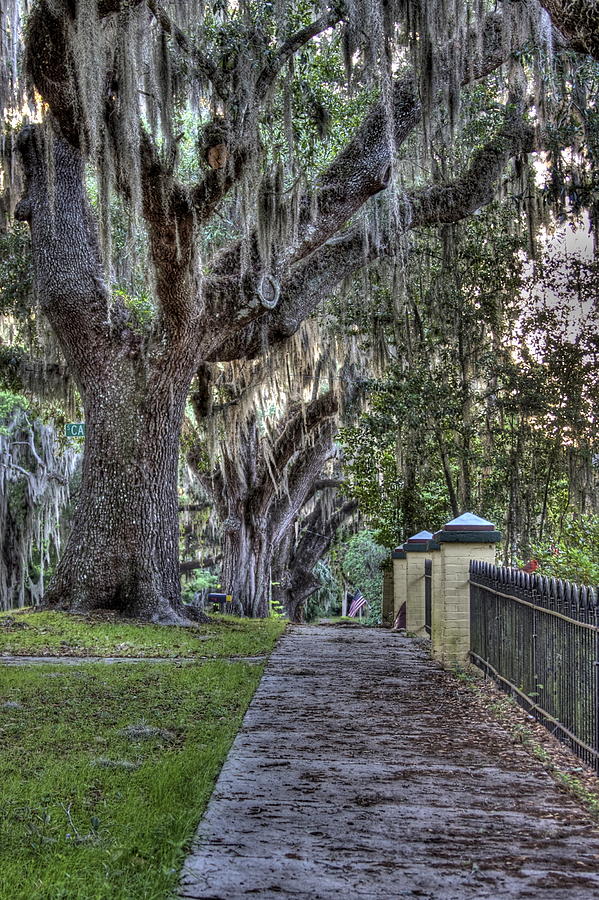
(19, 371)
(578, 21)
(295, 568)
(322, 272)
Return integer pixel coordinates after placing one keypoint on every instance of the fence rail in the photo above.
(539, 638)
(428, 594)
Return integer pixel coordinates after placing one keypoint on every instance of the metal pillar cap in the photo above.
(468, 522)
(420, 537)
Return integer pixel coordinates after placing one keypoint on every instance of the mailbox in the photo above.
(220, 599)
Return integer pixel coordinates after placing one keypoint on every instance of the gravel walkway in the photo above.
(360, 772)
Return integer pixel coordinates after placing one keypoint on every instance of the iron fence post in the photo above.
(596, 703)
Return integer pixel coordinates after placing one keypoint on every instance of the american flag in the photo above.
(358, 601)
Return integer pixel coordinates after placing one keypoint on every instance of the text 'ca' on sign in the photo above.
(75, 429)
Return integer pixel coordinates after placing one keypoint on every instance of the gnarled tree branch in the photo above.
(320, 273)
(578, 21)
(294, 43)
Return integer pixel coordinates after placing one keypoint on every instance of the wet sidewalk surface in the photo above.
(359, 772)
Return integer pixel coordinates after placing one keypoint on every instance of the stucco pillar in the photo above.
(465, 538)
(399, 584)
(433, 552)
(387, 604)
(415, 549)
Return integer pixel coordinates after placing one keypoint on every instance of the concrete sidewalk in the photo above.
(359, 773)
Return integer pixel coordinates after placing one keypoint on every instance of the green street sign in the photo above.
(75, 429)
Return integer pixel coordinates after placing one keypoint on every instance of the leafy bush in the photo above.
(360, 559)
(16, 275)
(574, 555)
(9, 402)
(327, 599)
(202, 579)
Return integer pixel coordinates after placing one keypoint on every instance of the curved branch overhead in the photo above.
(294, 43)
(320, 274)
(231, 312)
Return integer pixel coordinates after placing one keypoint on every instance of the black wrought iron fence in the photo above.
(428, 592)
(539, 638)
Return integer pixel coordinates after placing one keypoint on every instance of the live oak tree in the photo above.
(35, 479)
(109, 83)
(274, 435)
(306, 543)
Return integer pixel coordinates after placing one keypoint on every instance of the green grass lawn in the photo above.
(105, 770)
(27, 633)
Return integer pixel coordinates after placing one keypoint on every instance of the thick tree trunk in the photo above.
(295, 595)
(296, 559)
(295, 582)
(123, 551)
(246, 567)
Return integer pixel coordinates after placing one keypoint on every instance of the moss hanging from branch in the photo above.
(12, 92)
(35, 480)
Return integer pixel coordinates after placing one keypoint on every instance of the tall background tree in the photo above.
(273, 439)
(491, 395)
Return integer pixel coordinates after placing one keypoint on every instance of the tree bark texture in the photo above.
(259, 493)
(123, 550)
(297, 557)
(247, 559)
(578, 22)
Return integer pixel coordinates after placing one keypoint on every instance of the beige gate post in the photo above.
(399, 581)
(433, 552)
(465, 538)
(387, 604)
(415, 548)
